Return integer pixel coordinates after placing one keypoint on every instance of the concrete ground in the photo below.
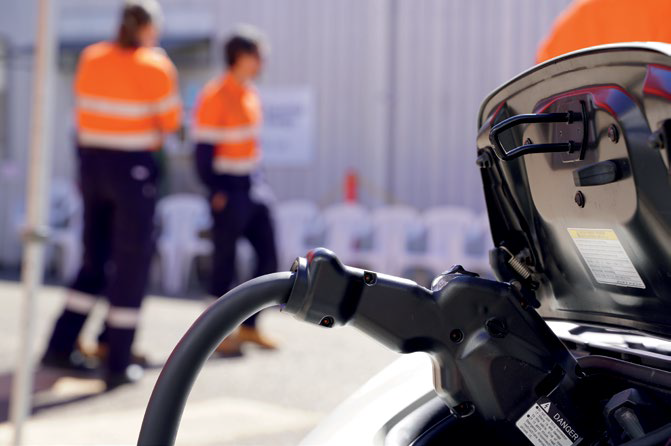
(263, 398)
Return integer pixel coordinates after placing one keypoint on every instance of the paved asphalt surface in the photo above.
(263, 398)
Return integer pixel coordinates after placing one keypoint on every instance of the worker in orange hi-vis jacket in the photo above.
(596, 22)
(226, 132)
(126, 102)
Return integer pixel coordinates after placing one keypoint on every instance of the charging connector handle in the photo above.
(164, 411)
(491, 354)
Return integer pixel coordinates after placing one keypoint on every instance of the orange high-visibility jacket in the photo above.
(228, 116)
(126, 99)
(596, 22)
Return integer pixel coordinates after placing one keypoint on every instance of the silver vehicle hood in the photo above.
(366, 416)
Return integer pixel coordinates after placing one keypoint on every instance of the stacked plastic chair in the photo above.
(295, 220)
(447, 229)
(66, 223)
(182, 218)
(391, 228)
(346, 227)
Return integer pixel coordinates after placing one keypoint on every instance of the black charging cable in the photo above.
(164, 411)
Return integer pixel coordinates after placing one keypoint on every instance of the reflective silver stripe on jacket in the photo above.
(221, 135)
(127, 109)
(132, 141)
(167, 104)
(235, 166)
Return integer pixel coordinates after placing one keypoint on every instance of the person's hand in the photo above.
(219, 201)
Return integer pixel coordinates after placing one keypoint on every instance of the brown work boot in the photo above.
(101, 351)
(230, 347)
(253, 336)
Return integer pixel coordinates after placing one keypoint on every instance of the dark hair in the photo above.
(133, 17)
(238, 45)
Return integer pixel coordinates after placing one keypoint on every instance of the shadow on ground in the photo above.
(51, 388)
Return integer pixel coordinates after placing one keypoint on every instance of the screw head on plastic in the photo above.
(456, 336)
(496, 328)
(327, 321)
(613, 133)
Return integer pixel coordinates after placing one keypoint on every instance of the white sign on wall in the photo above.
(288, 132)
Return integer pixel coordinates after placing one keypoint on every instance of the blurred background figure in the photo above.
(588, 23)
(126, 101)
(227, 155)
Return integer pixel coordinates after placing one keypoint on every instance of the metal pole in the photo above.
(39, 166)
(392, 97)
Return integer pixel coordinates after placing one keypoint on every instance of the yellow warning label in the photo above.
(596, 234)
(605, 256)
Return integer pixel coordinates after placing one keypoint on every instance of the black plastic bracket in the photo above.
(661, 139)
(536, 118)
(603, 172)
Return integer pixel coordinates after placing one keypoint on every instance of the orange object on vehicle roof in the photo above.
(596, 22)
(228, 116)
(126, 99)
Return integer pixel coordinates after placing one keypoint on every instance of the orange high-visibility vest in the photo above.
(228, 116)
(596, 22)
(126, 99)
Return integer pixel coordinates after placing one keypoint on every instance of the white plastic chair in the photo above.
(346, 226)
(294, 221)
(245, 258)
(446, 231)
(478, 243)
(182, 217)
(391, 226)
(66, 217)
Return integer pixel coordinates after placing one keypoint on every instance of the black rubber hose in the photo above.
(659, 437)
(164, 411)
(640, 373)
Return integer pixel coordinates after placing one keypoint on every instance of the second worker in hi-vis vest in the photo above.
(126, 101)
(226, 132)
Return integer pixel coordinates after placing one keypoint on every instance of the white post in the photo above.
(39, 166)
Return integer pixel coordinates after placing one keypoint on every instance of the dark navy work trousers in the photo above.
(119, 195)
(241, 216)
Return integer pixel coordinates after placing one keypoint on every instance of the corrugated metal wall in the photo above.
(397, 82)
(448, 56)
